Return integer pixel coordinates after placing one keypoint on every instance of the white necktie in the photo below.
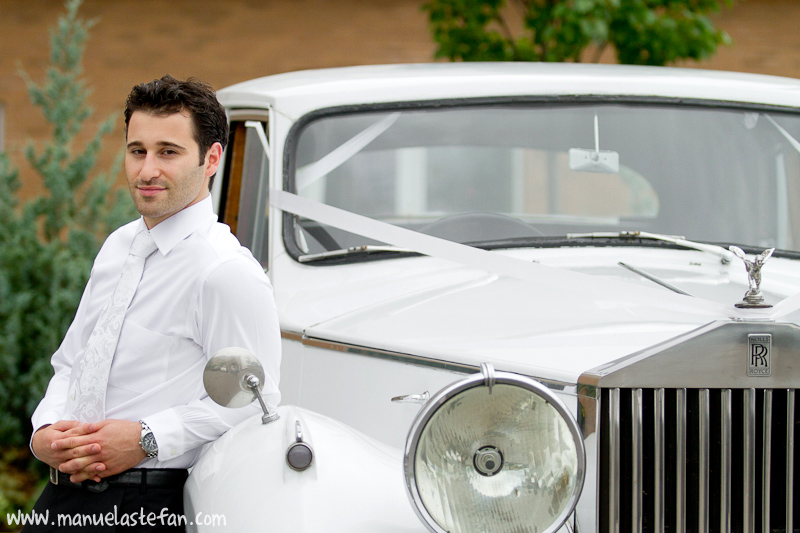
(88, 394)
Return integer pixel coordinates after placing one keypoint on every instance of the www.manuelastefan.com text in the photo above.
(114, 518)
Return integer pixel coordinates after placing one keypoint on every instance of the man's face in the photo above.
(161, 163)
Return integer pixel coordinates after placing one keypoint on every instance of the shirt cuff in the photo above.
(168, 431)
(48, 418)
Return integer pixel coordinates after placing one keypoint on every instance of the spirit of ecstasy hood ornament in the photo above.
(753, 297)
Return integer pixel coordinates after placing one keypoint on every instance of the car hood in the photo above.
(434, 309)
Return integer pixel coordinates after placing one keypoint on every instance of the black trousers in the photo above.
(118, 509)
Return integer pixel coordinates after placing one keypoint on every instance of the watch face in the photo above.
(149, 443)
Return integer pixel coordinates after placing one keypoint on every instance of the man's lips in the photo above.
(150, 190)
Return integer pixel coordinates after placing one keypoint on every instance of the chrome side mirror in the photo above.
(234, 377)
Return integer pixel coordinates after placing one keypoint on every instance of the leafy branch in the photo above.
(648, 32)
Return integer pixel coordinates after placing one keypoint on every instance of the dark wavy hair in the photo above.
(168, 95)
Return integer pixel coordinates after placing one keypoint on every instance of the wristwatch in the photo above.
(148, 441)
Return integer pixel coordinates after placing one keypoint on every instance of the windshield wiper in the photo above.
(365, 249)
(726, 256)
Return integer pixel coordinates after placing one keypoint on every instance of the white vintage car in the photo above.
(518, 298)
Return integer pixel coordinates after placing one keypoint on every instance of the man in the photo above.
(126, 413)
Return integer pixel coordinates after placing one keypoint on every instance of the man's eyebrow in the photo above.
(160, 144)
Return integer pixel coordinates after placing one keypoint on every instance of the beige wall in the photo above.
(227, 41)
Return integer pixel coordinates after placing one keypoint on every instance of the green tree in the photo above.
(645, 32)
(48, 243)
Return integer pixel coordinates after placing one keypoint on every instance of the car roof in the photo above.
(297, 93)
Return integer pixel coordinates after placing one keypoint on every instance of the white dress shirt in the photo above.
(200, 292)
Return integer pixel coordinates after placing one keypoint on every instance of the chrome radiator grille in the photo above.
(699, 460)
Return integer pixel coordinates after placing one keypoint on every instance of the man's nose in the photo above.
(151, 168)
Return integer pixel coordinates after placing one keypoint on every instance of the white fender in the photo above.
(244, 484)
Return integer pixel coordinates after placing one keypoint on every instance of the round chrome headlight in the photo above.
(494, 452)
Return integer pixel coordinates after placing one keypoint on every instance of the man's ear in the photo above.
(213, 159)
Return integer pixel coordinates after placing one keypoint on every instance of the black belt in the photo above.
(135, 477)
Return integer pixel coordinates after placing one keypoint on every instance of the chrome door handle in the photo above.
(413, 398)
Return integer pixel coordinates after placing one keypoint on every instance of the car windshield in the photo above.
(524, 172)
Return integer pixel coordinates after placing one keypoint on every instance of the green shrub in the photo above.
(48, 243)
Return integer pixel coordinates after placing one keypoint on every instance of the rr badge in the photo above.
(759, 354)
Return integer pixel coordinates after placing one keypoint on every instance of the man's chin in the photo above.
(149, 209)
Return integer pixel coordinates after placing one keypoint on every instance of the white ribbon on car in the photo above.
(310, 173)
(788, 136)
(503, 265)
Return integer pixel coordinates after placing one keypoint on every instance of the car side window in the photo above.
(245, 196)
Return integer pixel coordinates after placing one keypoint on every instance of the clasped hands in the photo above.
(89, 451)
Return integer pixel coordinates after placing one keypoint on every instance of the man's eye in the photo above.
(169, 152)
(137, 151)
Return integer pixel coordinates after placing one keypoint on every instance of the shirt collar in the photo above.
(170, 231)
